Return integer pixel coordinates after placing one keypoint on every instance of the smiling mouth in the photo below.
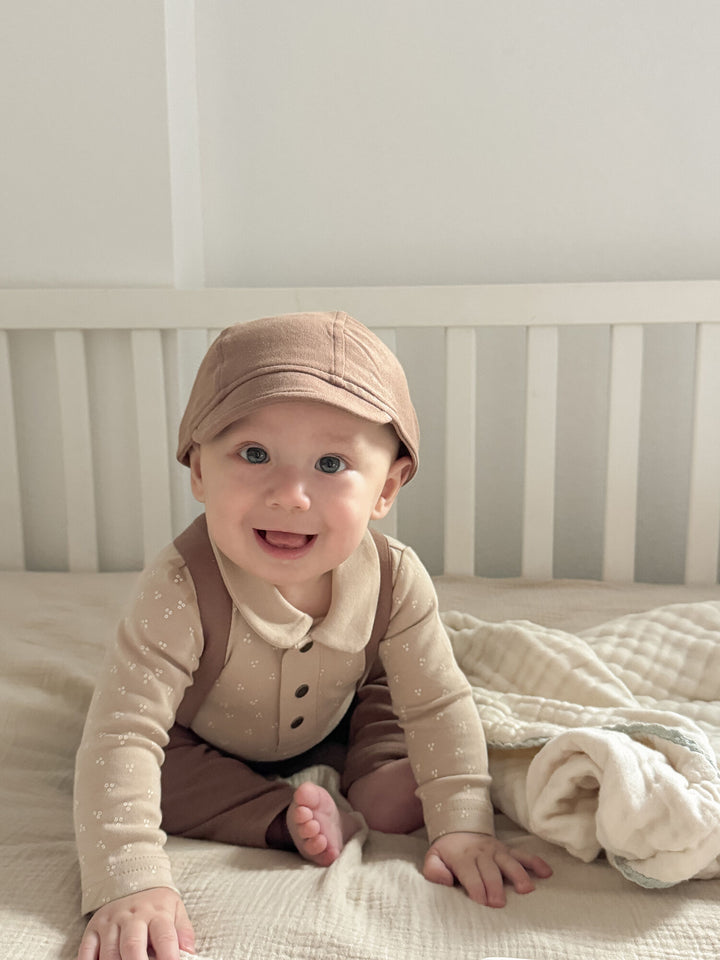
(283, 540)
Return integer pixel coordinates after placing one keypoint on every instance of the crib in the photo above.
(569, 478)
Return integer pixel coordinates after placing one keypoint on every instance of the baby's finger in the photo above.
(436, 871)
(532, 862)
(515, 872)
(483, 882)
(109, 936)
(89, 946)
(163, 937)
(185, 932)
(133, 941)
(494, 883)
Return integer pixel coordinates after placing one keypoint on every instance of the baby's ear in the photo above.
(397, 475)
(196, 482)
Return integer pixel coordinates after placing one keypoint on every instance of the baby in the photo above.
(298, 432)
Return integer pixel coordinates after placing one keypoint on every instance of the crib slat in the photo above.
(703, 540)
(152, 440)
(540, 433)
(183, 352)
(12, 545)
(623, 450)
(172, 350)
(77, 451)
(388, 525)
(460, 432)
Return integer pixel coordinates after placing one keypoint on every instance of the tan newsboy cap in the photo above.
(328, 357)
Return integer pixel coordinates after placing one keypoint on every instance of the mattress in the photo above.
(373, 902)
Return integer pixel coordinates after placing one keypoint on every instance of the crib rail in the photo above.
(81, 370)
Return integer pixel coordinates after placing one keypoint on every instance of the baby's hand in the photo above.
(126, 928)
(479, 862)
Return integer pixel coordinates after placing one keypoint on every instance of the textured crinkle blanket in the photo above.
(607, 740)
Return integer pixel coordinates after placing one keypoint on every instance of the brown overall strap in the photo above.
(384, 606)
(215, 608)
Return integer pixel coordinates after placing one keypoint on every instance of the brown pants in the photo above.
(213, 795)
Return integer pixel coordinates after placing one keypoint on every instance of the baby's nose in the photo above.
(288, 490)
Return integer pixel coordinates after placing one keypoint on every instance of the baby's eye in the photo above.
(254, 455)
(330, 464)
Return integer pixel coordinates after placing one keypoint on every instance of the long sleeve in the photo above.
(433, 701)
(117, 780)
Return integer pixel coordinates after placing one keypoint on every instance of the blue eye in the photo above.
(330, 464)
(254, 455)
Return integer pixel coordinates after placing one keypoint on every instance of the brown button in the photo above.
(306, 646)
(302, 690)
(296, 722)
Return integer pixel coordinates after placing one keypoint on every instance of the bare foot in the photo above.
(318, 828)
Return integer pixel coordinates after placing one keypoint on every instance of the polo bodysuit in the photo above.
(253, 710)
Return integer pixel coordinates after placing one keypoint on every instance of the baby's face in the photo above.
(289, 489)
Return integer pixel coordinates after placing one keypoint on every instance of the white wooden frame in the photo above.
(628, 308)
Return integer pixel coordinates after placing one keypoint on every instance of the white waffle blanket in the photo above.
(607, 740)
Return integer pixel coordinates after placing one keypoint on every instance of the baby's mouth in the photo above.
(284, 540)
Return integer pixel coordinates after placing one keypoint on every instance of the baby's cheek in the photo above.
(349, 526)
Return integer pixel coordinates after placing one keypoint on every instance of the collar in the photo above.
(348, 623)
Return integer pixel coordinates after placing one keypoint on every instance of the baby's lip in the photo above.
(286, 540)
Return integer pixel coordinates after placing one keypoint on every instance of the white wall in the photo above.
(84, 195)
(389, 141)
(459, 142)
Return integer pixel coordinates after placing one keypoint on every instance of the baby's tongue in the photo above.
(278, 538)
